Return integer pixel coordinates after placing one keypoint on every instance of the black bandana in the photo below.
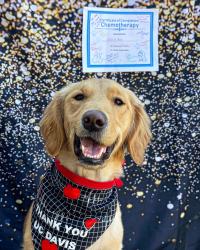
(71, 212)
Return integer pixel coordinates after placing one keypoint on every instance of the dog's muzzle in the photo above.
(87, 147)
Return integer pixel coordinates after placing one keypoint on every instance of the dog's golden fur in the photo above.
(128, 126)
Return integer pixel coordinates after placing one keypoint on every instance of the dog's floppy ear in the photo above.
(140, 133)
(52, 125)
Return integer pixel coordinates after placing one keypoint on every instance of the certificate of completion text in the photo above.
(120, 40)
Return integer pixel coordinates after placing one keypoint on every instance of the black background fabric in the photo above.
(40, 51)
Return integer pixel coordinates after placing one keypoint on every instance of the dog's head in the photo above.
(96, 121)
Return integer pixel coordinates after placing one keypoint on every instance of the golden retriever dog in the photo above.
(88, 127)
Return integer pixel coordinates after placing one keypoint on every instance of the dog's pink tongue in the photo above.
(91, 149)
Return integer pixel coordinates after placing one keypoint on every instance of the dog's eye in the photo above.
(118, 101)
(79, 97)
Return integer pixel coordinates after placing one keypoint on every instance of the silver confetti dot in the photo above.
(187, 98)
(17, 102)
(131, 2)
(184, 115)
(179, 100)
(170, 206)
(32, 120)
(193, 134)
(80, 11)
(33, 7)
(141, 97)
(166, 124)
(34, 91)
(24, 40)
(63, 60)
(4, 22)
(179, 196)
(37, 128)
(147, 102)
(2, 40)
(9, 16)
(161, 76)
(158, 158)
(179, 47)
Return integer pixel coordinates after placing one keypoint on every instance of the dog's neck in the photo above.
(110, 170)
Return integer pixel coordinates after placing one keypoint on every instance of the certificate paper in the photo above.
(120, 40)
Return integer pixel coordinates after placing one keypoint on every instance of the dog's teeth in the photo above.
(89, 155)
(82, 148)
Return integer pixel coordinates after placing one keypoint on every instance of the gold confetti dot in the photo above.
(19, 78)
(25, 6)
(169, 74)
(140, 193)
(19, 15)
(157, 182)
(19, 202)
(129, 205)
(173, 240)
(153, 117)
(32, 120)
(182, 215)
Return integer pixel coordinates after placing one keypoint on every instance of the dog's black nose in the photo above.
(94, 120)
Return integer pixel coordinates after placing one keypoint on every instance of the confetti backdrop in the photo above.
(40, 51)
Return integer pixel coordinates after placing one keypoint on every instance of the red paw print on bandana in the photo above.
(89, 223)
(72, 193)
(47, 245)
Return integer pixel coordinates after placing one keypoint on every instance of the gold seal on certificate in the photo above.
(120, 40)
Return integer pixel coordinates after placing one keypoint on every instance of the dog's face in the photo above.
(96, 120)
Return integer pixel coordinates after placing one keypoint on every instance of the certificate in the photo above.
(119, 40)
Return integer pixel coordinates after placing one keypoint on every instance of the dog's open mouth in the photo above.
(91, 152)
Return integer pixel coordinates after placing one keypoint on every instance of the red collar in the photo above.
(86, 182)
